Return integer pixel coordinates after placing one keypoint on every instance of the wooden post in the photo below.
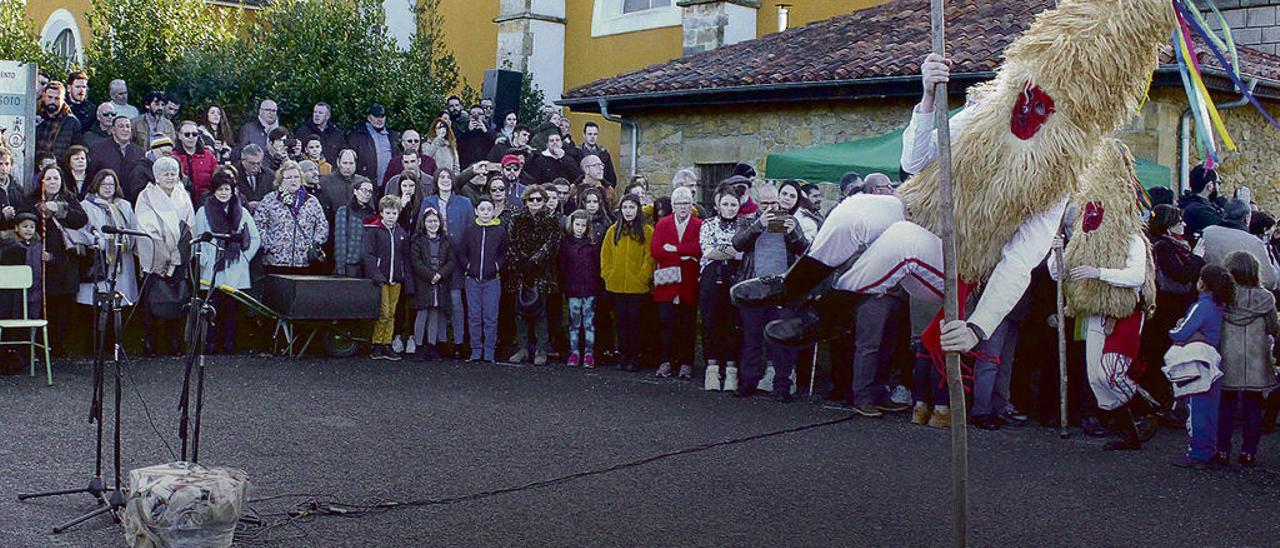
(951, 304)
(1063, 431)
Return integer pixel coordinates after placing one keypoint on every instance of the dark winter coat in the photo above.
(331, 138)
(544, 169)
(580, 267)
(359, 140)
(531, 258)
(63, 274)
(386, 255)
(108, 155)
(56, 134)
(483, 251)
(264, 184)
(426, 265)
(1198, 213)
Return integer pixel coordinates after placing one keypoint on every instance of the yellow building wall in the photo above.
(40, 10)
(472, 36)
(803, 12)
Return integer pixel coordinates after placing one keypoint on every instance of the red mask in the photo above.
(1092, 217)
(1034, 106)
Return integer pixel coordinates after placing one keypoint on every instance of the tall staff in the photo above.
(951, 301)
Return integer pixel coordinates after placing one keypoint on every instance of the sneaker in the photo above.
(589, 361)
(711, 376)
(730, 378)
(766, 382)
(1247, 460)
(1184, 461)
(901, 395)
(941, 418)
(868, 410)
(1221, 459)
(376, 353)
(686, 372)
(540, 359)
(474, 357)
(920, 413)
(890, 406)
(519, 357)
(664, 370)
(410, 346)
(392, 355)
(397, 345)
(573, 360)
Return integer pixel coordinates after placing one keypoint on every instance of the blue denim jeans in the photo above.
(582, 318)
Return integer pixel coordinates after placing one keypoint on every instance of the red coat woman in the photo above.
(675, 243)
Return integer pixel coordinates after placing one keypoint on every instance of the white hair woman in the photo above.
(676, 250)
(164, 212)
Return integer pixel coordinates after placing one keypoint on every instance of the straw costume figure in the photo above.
(1079, 72)
(1110, 283)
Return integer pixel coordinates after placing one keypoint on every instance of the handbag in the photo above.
(166, 296)
(315, 252)
(670, 275)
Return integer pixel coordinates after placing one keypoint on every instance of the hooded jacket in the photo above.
(1245, 348)
(386, 254)
(483, 251)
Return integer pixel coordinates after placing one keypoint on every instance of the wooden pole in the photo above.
(1063, 431)
(951, 304)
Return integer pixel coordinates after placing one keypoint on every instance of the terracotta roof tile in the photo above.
(887, 40)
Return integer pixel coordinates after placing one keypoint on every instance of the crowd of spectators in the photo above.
(494, 239)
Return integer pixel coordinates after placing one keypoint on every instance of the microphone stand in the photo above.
(200, 314)
(107, 305)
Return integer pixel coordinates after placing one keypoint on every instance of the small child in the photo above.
(580, 273)
(1247, 327)
(25, 248)
(386, 262)
(433, 265)
(1203, 323)
(483, 253)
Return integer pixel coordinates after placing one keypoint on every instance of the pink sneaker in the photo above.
(573, 360)
(589, 362)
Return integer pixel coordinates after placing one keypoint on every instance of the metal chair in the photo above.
(19, 277)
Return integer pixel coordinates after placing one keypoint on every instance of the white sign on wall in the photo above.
(17, 121)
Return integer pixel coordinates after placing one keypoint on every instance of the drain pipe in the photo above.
(635, 131)
(1184, 131)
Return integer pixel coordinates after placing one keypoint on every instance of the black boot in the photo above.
(789, 288)
(820, 319)
(1124, 427)
(429, 352)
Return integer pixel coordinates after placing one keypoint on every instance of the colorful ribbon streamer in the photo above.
(1208, 119)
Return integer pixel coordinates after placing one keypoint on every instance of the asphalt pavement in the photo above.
(494, 455)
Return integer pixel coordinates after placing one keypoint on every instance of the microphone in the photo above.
(108, 229)
(210, 236)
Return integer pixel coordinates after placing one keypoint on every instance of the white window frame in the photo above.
(58, 21)
(607, 18)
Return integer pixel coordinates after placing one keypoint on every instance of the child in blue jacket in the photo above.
(1203, 322)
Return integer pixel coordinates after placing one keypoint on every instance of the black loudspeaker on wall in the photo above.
(503, 86)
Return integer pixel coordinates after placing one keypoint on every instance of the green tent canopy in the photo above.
(827, 163)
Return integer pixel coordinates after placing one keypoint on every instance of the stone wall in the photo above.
(684, 137)
(1253, 22)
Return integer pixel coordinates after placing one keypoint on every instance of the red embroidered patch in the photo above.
(1092, 217)
(1034, 106)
